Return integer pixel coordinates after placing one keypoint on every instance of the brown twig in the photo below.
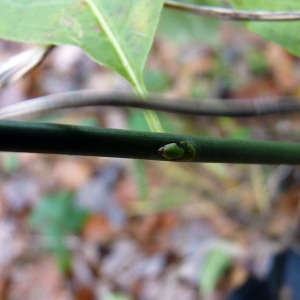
(232, 14)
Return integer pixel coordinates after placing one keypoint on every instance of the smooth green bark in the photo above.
(83, 140)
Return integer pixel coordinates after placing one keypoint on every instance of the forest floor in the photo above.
(103, 228)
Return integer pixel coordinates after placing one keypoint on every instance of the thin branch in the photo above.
(209, 107)
(234, 15)
(36, 137)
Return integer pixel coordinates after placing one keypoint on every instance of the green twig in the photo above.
(83, 140)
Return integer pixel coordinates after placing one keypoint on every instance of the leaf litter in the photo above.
(154, 248)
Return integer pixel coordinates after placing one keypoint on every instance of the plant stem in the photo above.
(83, 140)
(150, 116)
(210, 107)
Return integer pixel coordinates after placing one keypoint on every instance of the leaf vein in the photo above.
(117, 46)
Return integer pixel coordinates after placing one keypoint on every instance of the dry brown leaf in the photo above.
(97, 229)
(71, 173)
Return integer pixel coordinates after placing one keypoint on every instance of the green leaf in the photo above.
(56, 215)
(63, 260)
(188, 27)
(116, 296)
(284, 33)
(10, 162)
(156, 81)
(117, 34)
(217, 261)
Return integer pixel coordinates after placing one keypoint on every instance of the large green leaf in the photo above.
(189, 28)
(284, 33)
(115, 33)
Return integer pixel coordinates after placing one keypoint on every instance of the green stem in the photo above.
(83, 140)
(153, 121)
(150, 116)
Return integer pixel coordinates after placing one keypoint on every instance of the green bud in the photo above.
(179, 151)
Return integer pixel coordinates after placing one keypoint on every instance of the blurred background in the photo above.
(102, 228)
